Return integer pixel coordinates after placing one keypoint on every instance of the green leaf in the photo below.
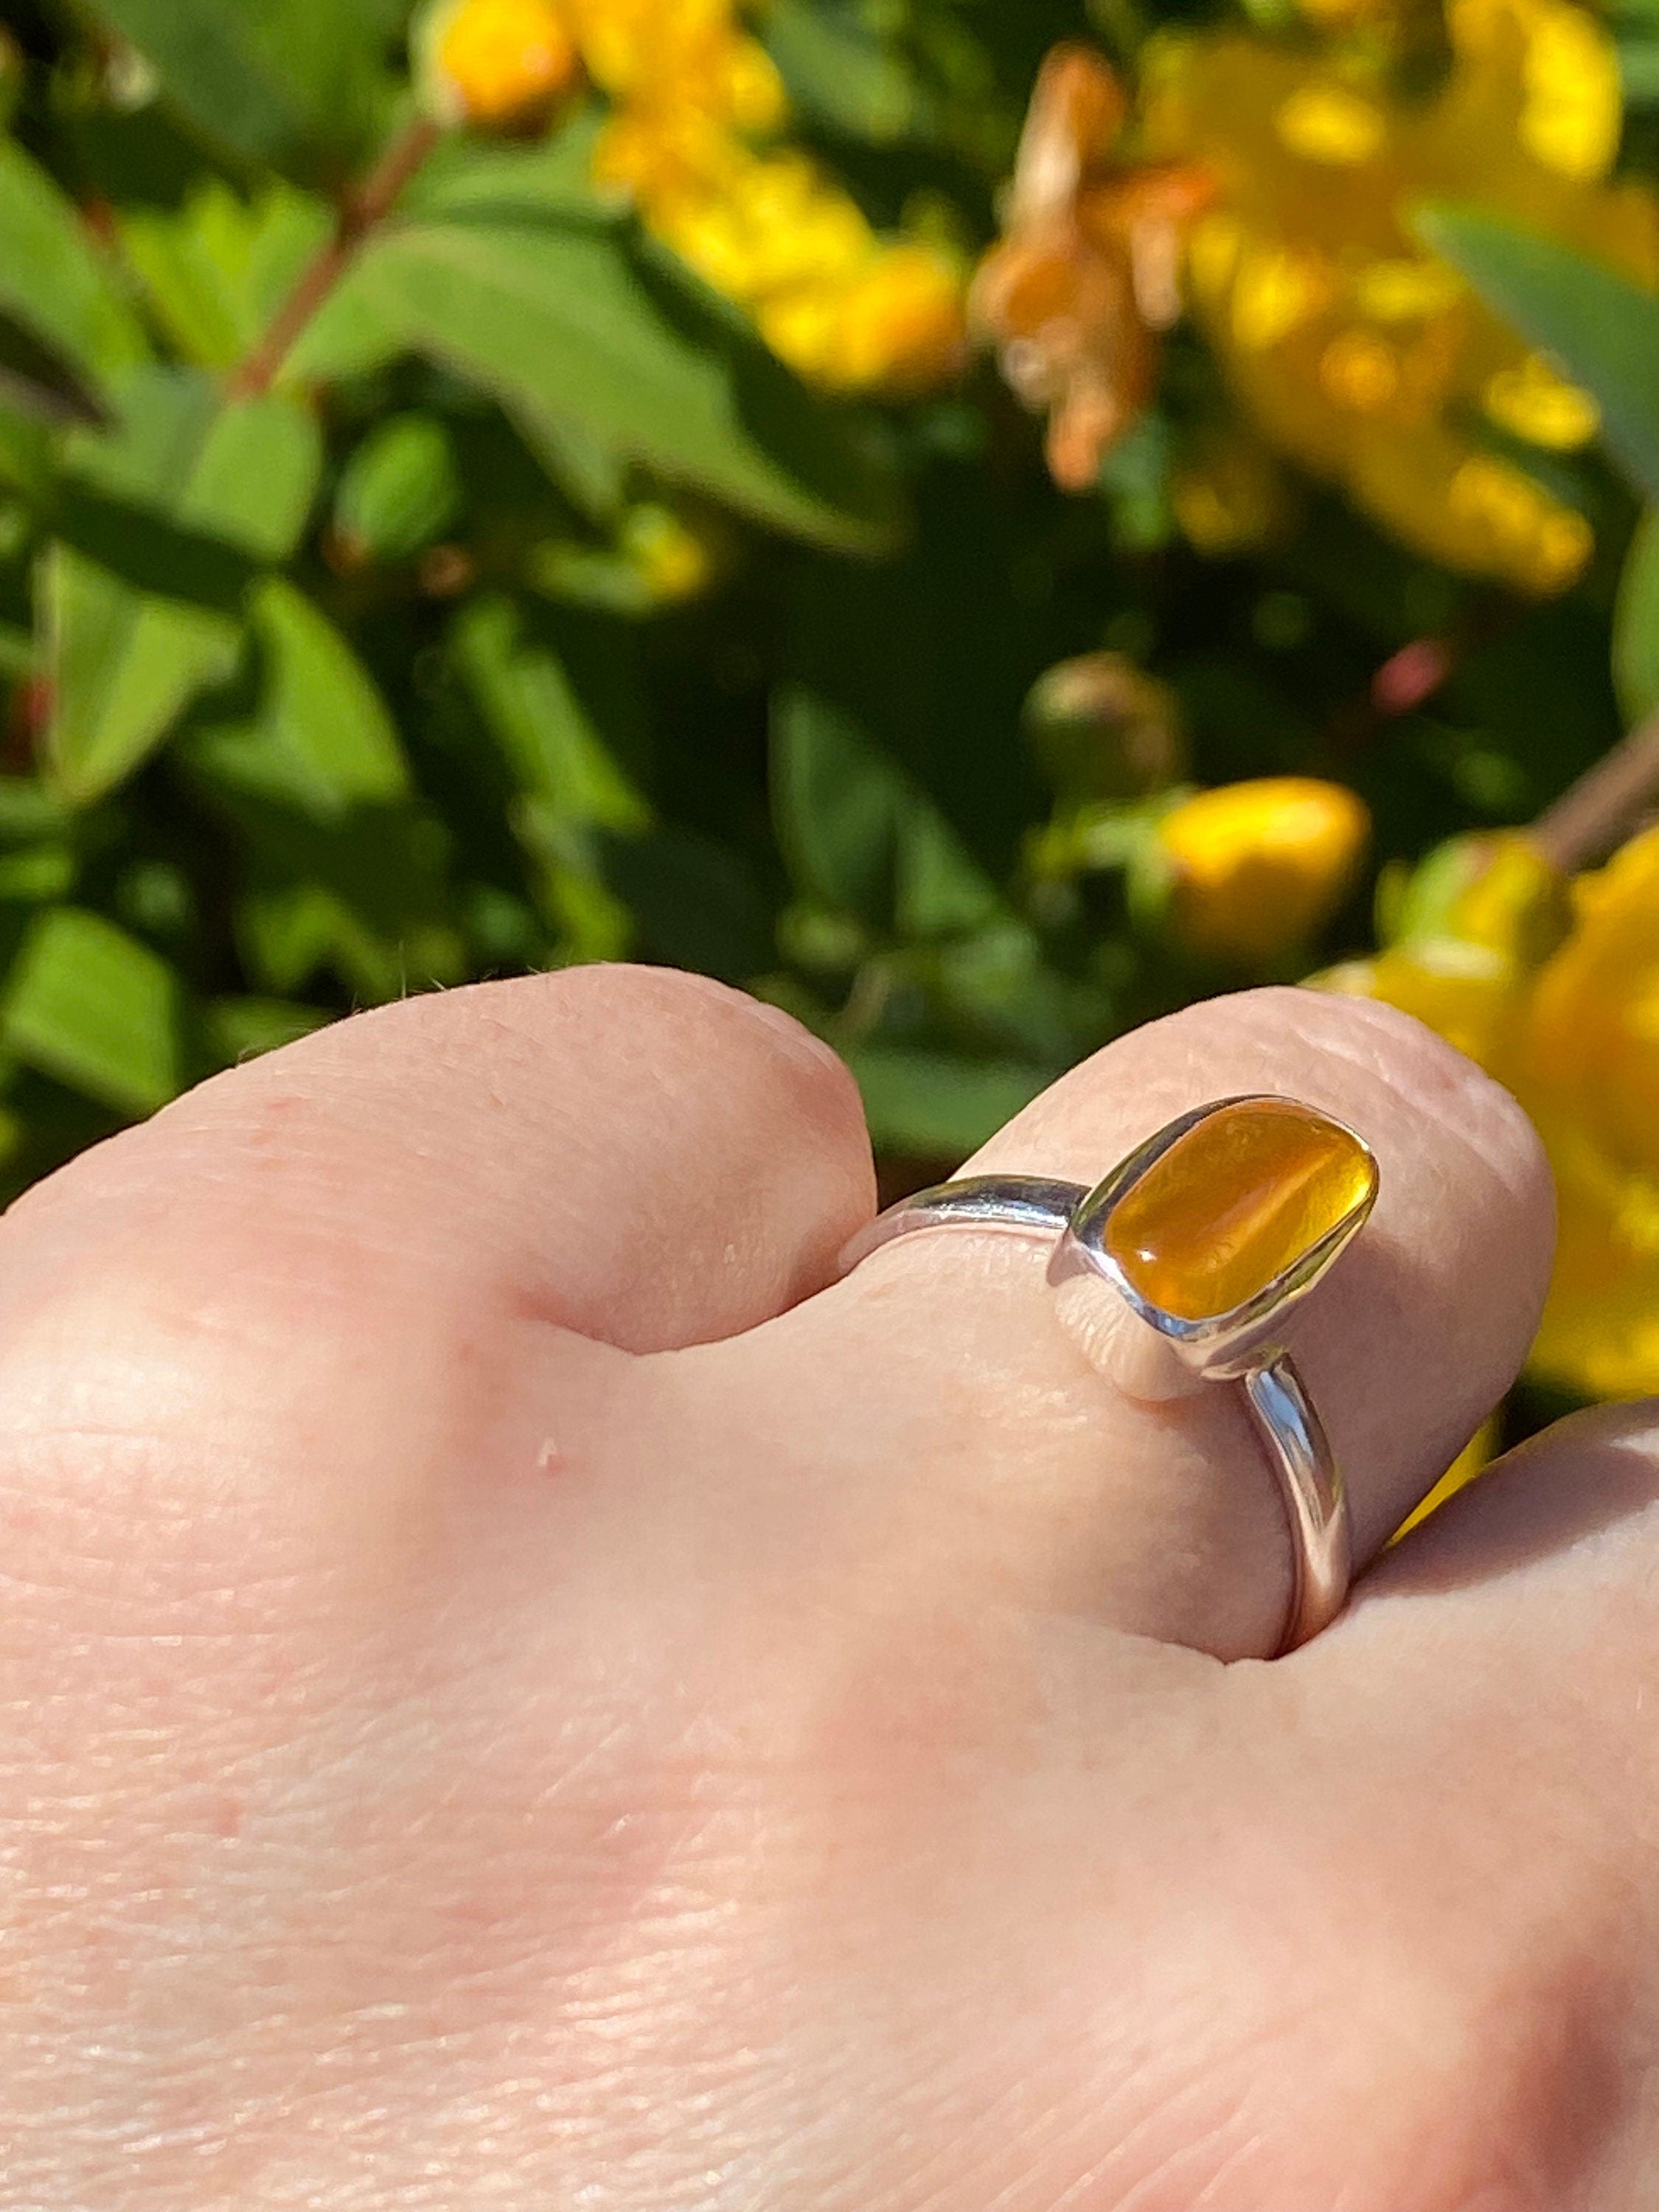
(1636, 624)
(697, 903)
(929, 1105)
(400, 490)
(858, 832)
(125, 664)
(1638, 66)
(293, 83)
(89, 1004)
(365, 901)
(52, 278)
(236, 1030)
(587, 472)
(319, 739)
(37, 874)
(241, 474)
(842, 808)
(38, 382)
(352, 335)
(836, 69)
(216, 268)
(554, 748)
(468, 178)
(27, 463)
(126, 660)
(582, 324)
(28, 810)
(1601, 328)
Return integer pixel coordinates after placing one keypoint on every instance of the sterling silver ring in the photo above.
(1203, 1241)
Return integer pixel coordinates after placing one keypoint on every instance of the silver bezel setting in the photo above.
(1220, 1345)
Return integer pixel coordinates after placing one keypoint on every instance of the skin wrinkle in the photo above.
(1502, 1132)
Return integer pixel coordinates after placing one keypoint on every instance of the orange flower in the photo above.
(1075, 295)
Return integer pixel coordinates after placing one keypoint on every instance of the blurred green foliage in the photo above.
(526, 610)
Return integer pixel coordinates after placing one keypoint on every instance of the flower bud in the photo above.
(502, 62)
(678, 557)
(1256, 868)
(398, 494)
(1493, 889)
(1104, 729)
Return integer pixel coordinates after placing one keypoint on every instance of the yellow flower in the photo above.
(504, 61)
(1330, 123)
(896, 325)
(1587, 1070)
(1574, 1032)
(1473, 1461)
(1256, 867)
(692, 93)
(1365, 360)
(680, 57)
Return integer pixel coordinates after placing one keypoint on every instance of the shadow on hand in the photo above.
(1560, 1490)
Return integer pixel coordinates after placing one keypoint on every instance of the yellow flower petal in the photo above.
(499, 60)
(1258, 867)
(1531, 401)
(1327, 123)
(1541, 544)
(1574, 107)
(1358, 370)
(1398, 291)
(1274, 290)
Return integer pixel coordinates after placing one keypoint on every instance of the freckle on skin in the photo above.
(227, 1817)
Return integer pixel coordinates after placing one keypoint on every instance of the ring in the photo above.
(1208, 1234)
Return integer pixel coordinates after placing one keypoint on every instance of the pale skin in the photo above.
(516, 1692)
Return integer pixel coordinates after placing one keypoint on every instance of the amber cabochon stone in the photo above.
(1235, 1203)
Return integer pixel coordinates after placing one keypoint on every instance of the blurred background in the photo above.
(980, 520)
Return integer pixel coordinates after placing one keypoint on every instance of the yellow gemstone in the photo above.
(1235, 1203)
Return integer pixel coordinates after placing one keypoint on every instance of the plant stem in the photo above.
(1606, 805)
(360, 212)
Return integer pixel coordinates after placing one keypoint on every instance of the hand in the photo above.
(513, 1694)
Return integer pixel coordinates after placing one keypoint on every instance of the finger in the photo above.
(1478, 1731)
(644, 1156)
(311, 1294)
(1549, 1560)
(936, 1386)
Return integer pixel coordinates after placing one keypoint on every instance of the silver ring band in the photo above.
(1242, 1345)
